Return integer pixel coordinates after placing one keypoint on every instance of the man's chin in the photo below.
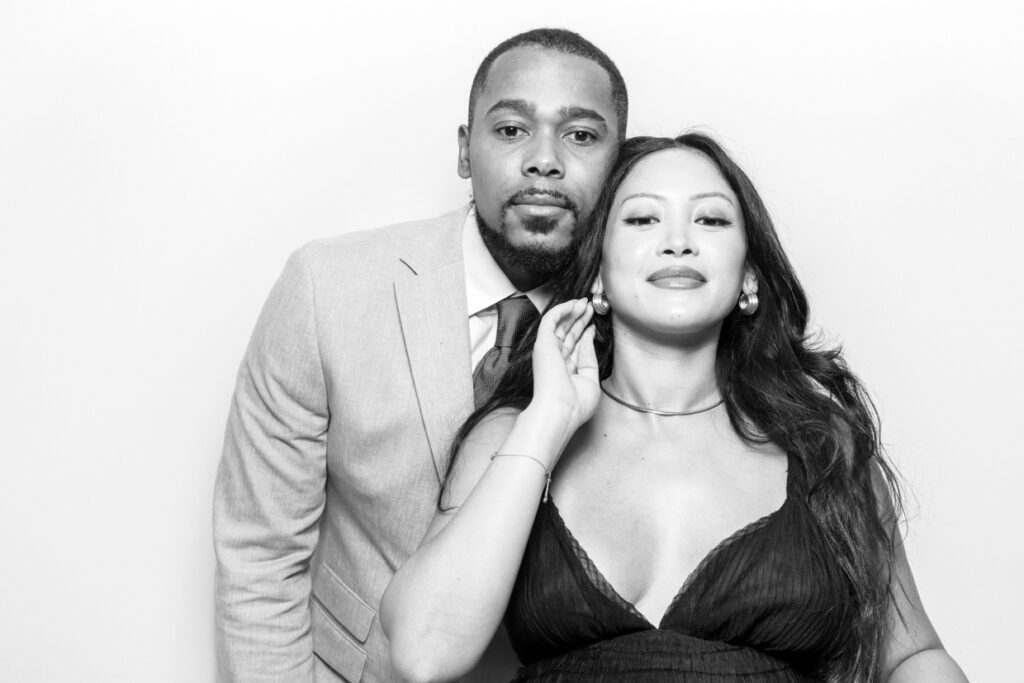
(541, 220)
(539, 259)
(542, 249)
(540, 242)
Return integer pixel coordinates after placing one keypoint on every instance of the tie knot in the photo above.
(514, 315)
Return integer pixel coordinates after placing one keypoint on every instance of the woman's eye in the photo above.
(714, 221)
(640, 221)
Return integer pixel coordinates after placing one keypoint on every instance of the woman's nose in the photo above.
(677, 237)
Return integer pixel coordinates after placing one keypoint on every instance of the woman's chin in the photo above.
(680, 331)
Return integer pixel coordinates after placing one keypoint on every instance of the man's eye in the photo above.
(511, 132)
(640, 221)
(583, 137)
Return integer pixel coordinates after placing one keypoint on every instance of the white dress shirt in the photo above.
(486, 285)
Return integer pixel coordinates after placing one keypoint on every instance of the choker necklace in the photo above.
(663, 413)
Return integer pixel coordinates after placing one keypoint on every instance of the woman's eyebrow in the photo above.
(693, 198)
(638, 195)
(705, 195)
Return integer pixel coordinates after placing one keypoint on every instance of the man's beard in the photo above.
(539, 259)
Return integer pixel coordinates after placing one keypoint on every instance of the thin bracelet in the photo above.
(547, 472)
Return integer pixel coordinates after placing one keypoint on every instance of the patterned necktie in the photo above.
(514, 316)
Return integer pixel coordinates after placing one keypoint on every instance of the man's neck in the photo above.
(522, 280)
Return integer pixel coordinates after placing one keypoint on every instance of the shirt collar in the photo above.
(486, 282)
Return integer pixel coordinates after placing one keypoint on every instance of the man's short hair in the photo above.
(569, 43)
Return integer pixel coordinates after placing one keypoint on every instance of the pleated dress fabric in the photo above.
(767, 604)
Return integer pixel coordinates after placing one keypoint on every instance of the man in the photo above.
(362, 366)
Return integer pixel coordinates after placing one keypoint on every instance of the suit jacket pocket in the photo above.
(349, 609)
(334, 645)
(341, 622)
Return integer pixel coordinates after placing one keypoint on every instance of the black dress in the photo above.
(769, 603)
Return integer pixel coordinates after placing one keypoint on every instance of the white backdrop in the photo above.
(159, 160)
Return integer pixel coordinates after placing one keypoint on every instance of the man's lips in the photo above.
(541, 200)
(540, 197)
(540, 203)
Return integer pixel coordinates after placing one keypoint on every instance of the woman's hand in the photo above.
(565, 375)
(445, 603)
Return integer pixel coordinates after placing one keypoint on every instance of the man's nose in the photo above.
(543, 158)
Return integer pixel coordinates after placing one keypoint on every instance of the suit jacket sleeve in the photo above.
(269, 492)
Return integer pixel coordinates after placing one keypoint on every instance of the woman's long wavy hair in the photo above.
(780, 385)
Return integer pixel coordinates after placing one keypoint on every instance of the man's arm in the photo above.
(269, 491)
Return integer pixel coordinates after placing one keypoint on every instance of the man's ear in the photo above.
(750, 281)
(464, 171)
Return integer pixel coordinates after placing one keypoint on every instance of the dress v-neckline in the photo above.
(604, 586)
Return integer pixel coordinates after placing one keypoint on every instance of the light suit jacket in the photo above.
(354, 381)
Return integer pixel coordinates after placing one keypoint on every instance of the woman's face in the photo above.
(675, 247)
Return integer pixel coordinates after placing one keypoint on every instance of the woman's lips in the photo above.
(677, 277)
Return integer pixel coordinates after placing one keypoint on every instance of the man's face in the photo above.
(544, 137)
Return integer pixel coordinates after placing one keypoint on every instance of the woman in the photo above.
(724, 511)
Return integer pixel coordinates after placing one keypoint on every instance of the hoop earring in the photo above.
(600, 303)
(748, 303)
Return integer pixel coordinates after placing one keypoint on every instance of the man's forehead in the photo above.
(547, 79)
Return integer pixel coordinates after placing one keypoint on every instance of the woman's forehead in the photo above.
(673, 173)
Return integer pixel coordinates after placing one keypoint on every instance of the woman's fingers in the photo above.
(564, 361)
(565, 326)
(586, 357)
(569, 312)
(556, 321)
(583, 356)
(572, 336)
(563, 322)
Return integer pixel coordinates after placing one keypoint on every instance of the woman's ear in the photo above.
(750, 281)
(598, 298)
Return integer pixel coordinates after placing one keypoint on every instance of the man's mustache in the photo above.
(523, 197)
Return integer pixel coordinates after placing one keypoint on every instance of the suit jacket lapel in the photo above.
(431, 297)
